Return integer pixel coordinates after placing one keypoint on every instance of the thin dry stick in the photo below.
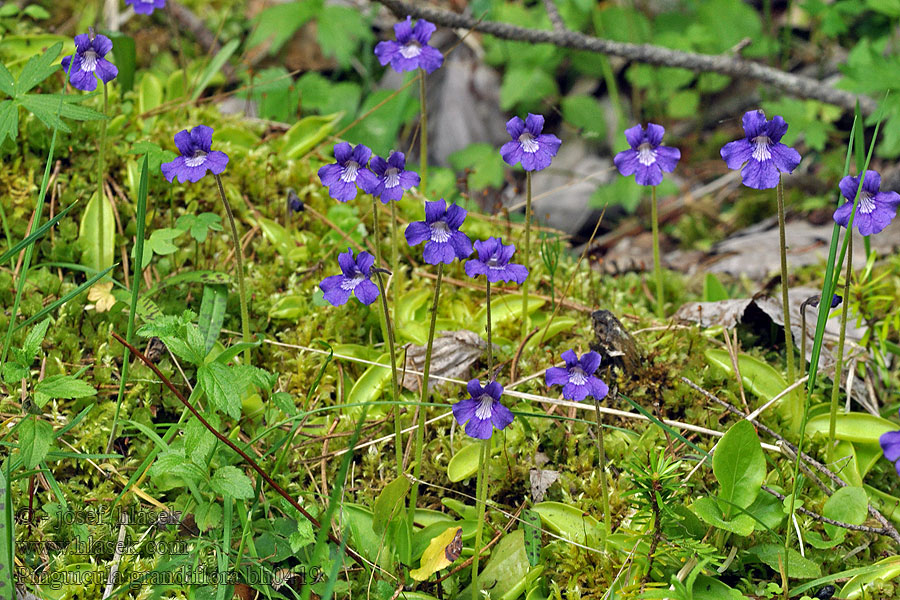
(796, 85)
(252, 463)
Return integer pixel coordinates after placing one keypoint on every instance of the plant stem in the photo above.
(376, 239)
(135, 292)
(396, 269)
(395, 388)
(527, 252)
(423, 134)
(239, 262)
(832, 419)
(481, 501)
(490, 347)
(604, 489)
(420, 429)
(101, 159)
(657, 267)
(788, 337)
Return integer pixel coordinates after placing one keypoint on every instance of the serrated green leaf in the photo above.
(219, 385)
(233, 482)
(12, 372)
(35, 437)
(9, 120)
(38, 68)
(32, 344)
(160, 241)
(65, 387)
(303, 537)
(36, 105)
(7, 83)
(198, 440)
(340, 30)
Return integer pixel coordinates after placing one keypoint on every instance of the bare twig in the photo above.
(796, 85)
(553, 13)
(822, 519)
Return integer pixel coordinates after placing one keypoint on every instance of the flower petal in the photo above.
(494, 390)
(534, 124)
(556, 376)
(517, 273)
(403, 30)
(890, 445)
(599, 389)
(667, 158)
(511, 152)
(417, 232)
(456, 214)
(627, 162)
(385, 51)
(655, 134)
(754, 122)
(871, 182)
(842, 214)
(334, 293)
(480, 429)
(216, 161)
(348, 265)
(184, 143)
(202, 137)
(501, 416)
(462, 245)
(635, 135)
(473, 386)
(736, 153)
(330, 174)
(648, 174)
(378, 165)
(776, 128)
(590, 362)
(760, 174)
(435, 210)
(342, 152)
(576, 392)
(430, 59)
(570, 357)
(438, 252)
(102, 44)
(423, 31)
(464, 410)
(82, 43)
(106, 70)
(366, 292)
(171, 169)
(515, 127)
(367, 180)
(784, 157)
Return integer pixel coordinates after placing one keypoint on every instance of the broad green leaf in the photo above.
(713, 290)
(9, 120)
(220, 387)
(277, 235)
(798, 566)
(531, 526)
(709, 512)
(482, 162)
(888, 569)
(96, 234)
(768, 509)
(340, 29)
(846, 463)
(65, 105)
(363, 537)
(212, 313)
(389, 500)
(32, 344)
(7, 83)
(559, 325)
(848, 505)
(569, 522)
(505, 569)
(585, 113)
(160, 241)
(214, 66)
(764, 381)
(306, 133)
(439, 554)
(866, 457)
(739, 466)
(208, 515)
(150, 92)
(289, 307)
(859, 428)
(38, 68)
(35, 437)
(464, 463)
(66, 387)
(198, 440)
(233, 482)
(369, 386)
(276, 24)
(125, 54)
(526, 86)
(304, 535)
(199, 225)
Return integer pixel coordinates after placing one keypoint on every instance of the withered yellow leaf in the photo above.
(440, 553)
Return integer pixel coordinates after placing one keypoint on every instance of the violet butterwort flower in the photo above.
(146, 7)
(393, 178)
(355, 278)
(533, 149)
(349, 171)
(411, 50)
(483, 411)
(88, 61)
(876, 209)
(646, 159)
(493, 262)
(196, 156)
(761, 150)
(577, 377)
(440, 232)
(890, 446)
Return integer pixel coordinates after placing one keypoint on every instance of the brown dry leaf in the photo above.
(541, 480)
(453, 353)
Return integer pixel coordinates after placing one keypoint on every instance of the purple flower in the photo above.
(88, 61)
(440, 232)
(355, 278)
(890, 446)
(646, 159)
(392, 177)
(483, 411)
(529, 146)
(876, 209)
(761, 150)
(411, 50)
(349, 171)
(146, 7)
(493, 261)
(577, 378)
(196, 157)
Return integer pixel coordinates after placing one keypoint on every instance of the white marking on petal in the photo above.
(392, 177)
(577, 376)
(89, 60)
(440, 232)
(485, 407)
(350, 283)
(196, 159)
(866, 204)
(348, 173)
(646, 154)
(528, 142)
(411, 50)
(761, 150)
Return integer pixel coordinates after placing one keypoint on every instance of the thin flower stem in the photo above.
(490, 347)
(395, 387)
(481, 501)
(423, 134)
(239, 262)
(527, 252)
(788, 337)
(420, 428)
(396, 270)
(832, 419)
(657, 267)
(375, 240)
(101, 159)
(604, 489)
